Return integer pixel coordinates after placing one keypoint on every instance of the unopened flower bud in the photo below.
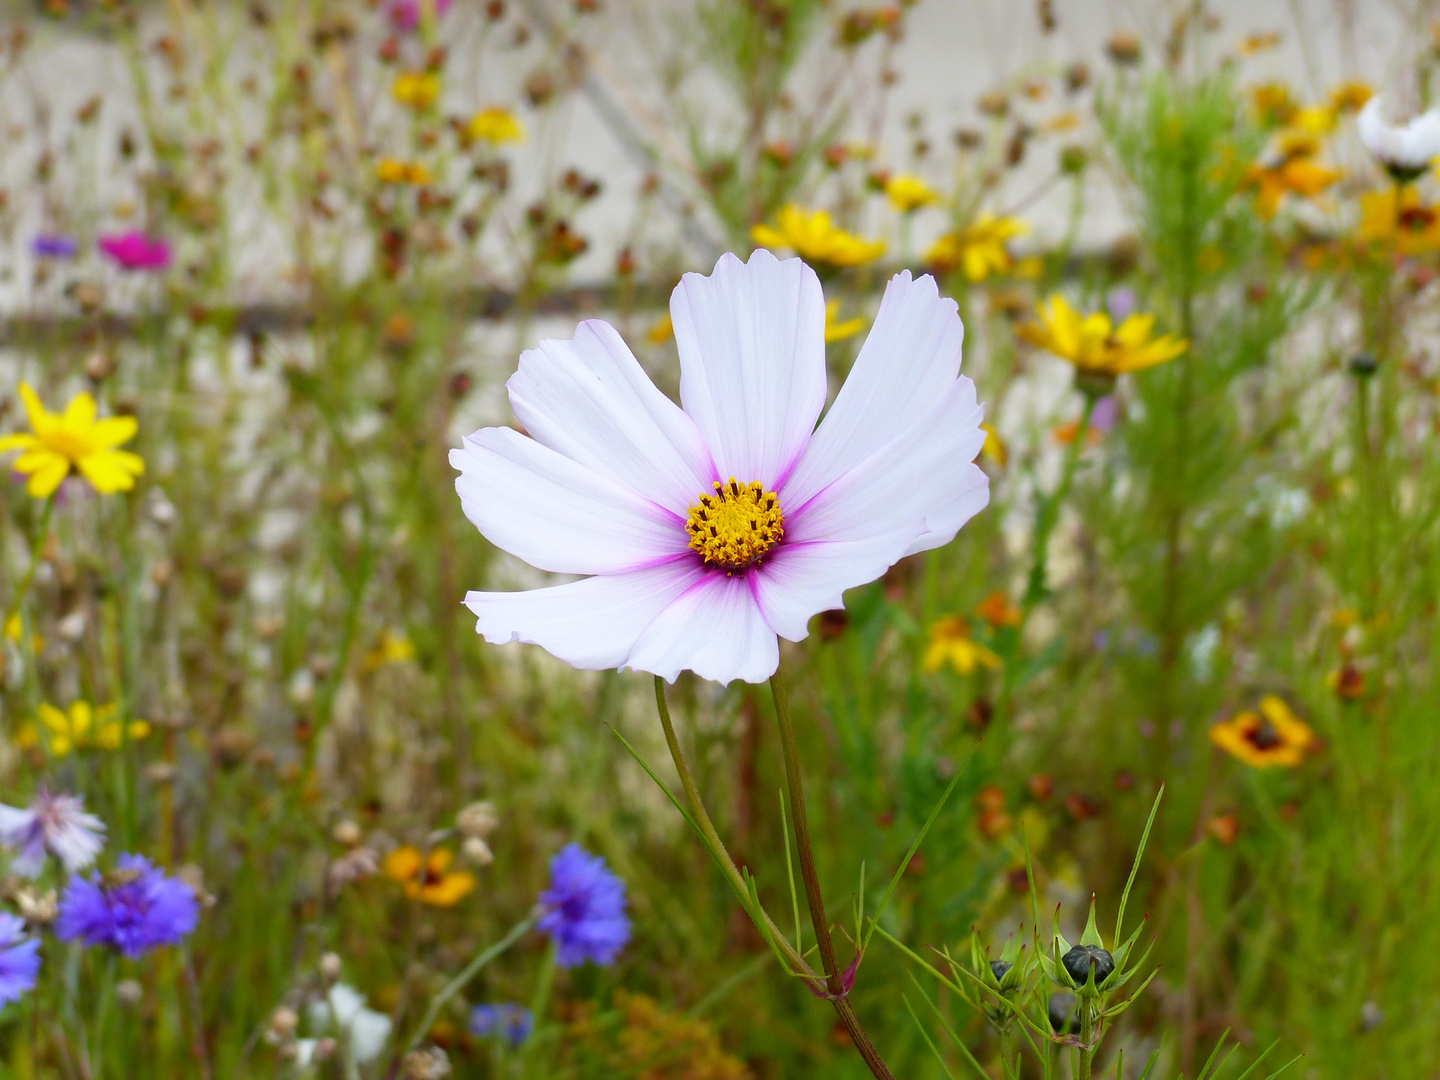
(129, 992)
(477, 852)
(1079, 960)
(37, 908)
(283, 1021)
(1000, 968)
(477, 819)
(347, 833)
(1363, 365)
(330, 967)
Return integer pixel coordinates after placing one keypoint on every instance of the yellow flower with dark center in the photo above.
(737, 526)
(908, 193)
(1095, 345)
(429, 880)
(1294, 175)
(951, 643)
(1272, 737)
(395, 171)
(1414, 230)
(979, 249)
(74, 439)
(417, 89)
(496, 126)
(836, 330)
(814, 236)
(81, 729)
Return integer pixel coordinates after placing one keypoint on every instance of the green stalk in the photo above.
(455, 985)
(838, 994)
(23, 589)
(1087, 1034)
(1048, 516)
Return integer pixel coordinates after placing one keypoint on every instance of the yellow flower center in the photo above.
(737, 526)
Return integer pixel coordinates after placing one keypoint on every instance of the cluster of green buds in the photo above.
(1004, 980)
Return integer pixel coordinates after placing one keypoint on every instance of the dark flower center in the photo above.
(1264, 736)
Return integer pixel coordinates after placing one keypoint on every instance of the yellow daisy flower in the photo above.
(951, 643)
(979, 249)
(1298, 175)
(1094, 345)
(839, 331)
(431, 881)
(1414, 230)
(908, 193)
(81, 729)
(1274, 736)
(496, 126)
(74, 439)
(814, 236)
(417, 89)
(395, 171)
(392, 648)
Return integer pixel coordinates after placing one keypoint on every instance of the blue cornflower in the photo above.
(584, 909)
(19, 959)
(133, 908)
(54, 247)
(513, 1022)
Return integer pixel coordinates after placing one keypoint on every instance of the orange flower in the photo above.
(1295, 175)
(431, 880)
(1274, 736)
(999, 610)
(1348, 682)
(1225, 828)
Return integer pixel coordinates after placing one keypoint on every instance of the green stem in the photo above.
(1087, 1035)
(540, 1002)
(23, 589)
(455, 985)
(838, 993)
(1048, 516)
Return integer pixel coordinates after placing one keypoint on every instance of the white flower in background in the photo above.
(57, 824)
(343, 1011)
(1405, 149)
(706, 532)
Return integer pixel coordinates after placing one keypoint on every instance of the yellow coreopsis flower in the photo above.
(496, 126)
(1094, 345)
(74, 439)
(1274, 736)
(979, 249)
(814, 236)
(1413, 230)
(417, 89)
(951, 643)
(1297, 175)
(395, 171)
(392, 648)
(839, 330)
(81, 728)
(431, 881)
(908, 193)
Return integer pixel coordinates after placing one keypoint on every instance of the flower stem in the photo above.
(1087, 1034)
(23, 589)
(1048, 515)
(455, 985)
(838, 992)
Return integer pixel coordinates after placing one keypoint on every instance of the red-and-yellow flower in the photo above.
(429, 880)
(1268, 738)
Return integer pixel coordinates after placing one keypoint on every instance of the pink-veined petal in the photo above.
(592, 623)
(589, 399)
(555, 513)
(909, 361)
(752, 361)
(799, 581)
(714, 629)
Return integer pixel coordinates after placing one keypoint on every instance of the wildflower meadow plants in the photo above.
(837, 708)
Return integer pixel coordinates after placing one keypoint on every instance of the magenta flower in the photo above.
(405, 14)
(137, 251)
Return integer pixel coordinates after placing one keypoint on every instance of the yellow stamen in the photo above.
(737, 526)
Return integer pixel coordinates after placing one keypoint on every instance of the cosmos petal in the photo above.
(909, 361)
(752, 361)
(592, 623)
(589, 399)
(555, 513)
(714, 629)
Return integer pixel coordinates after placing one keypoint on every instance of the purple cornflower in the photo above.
(1105, 414)
(56, 246)
(137, 251)
(133, 908)
(57, 824)
(584, 909)
(405, 14)
(19, 959)
(513, 1022)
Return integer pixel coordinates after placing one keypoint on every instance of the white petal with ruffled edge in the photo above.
(714, 629)
(1411, 145)
(555, 513)
(589, 399)
(592, 623)
(751, 338)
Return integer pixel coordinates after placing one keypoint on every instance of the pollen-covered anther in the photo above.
(734, 528)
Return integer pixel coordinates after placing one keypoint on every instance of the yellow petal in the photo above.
(112, 470)
(403, 864)
(112, 431)
(54, 719)
(79, 414)
(48, 477)
(39, 418)
(17, 442)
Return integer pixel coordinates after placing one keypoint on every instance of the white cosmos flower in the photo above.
(1408, 147)
(685, 569)
(365, 1029)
